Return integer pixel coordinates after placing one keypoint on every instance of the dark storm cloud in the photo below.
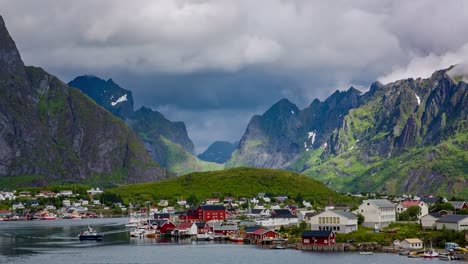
(197, 60)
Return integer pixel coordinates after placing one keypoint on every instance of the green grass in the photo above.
(18, 181)
(404, 231)
(180, 161)
(347, 172)
(241, 182)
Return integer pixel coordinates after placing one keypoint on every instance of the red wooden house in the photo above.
(164, 226)
(263, 233)
(202, 228)
(213, 212)
(204, 213)
(318, 237)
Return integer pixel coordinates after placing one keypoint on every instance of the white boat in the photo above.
(366, 252)
(431, 253)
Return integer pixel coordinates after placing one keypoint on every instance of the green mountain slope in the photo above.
(241, 182)
(406, 136)
(50, 132)
(167, 142)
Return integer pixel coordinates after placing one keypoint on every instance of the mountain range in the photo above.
(167, 142)
(406, 136)
(50, 132)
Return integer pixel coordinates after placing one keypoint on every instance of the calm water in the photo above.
(55, 242)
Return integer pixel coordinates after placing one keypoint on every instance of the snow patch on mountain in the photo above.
(417, 98)
(121, 99)
(311, 136)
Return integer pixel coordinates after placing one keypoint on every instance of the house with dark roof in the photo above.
(338, 221)
(428, 221)
(162, 216)
(433, 200)
(205, 213)
(202, 228)
(278, 218)
(318, 237)
(452, 222)
(459, 205)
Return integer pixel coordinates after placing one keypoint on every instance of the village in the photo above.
(274, 222)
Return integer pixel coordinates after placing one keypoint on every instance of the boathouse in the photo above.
(318, 237)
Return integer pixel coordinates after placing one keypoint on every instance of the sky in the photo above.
(214, 64)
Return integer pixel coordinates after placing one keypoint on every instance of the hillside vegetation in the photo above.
(238, 182)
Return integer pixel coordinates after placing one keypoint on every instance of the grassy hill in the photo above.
(239, 182)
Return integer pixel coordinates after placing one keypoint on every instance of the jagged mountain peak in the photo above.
(282, 106)
(10, 58)
(108, 94)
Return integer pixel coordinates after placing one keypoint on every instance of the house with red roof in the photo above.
(404, 205)
(186, 229)
(164, 226)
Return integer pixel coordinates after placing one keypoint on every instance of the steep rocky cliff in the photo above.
(282, 134)
(50, 132)
(406, 136)
(167, 142)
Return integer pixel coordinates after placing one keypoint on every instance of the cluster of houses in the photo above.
(72, 205)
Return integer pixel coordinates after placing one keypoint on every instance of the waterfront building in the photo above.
(452, 222)
(318, 237)
(338, 221)
(377, 213)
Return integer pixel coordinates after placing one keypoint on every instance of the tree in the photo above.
(413, 212)
(360, 219)
(192, 200)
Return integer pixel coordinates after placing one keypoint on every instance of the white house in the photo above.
(66, 203)
(452, 222)
(411, 243)
(428, 221)
(94, 191)
(378, 212)
(403, 206)
(338, 221)
(301, 214)
(51, 207)
(279, 217)
(66, 193)
(18, 205)
(96, 202)
(163, 203)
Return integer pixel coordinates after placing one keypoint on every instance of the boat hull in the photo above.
(91, 237)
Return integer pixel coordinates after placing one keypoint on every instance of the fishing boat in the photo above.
(48, 216)
(90, 234)
(236, 239)
(366, 252)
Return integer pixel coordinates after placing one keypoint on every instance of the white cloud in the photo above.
(344, 37)
(424, 67)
